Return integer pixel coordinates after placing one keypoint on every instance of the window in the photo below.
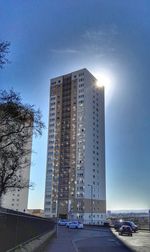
(81, 96)
(53, 103)
(81, 79)
(81, 74)
(52, 98)
(52, 120)
(53, 83)
(81, 85)
(47, 209)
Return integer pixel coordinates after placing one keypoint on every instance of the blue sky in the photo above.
(50, 38)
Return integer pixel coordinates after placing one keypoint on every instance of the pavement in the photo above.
(85, 240)
(139, 242)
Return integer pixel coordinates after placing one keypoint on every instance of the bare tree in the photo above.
(18, 122)
(4, 50)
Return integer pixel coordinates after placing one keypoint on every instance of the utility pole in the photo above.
(91, 186)
(149, 220)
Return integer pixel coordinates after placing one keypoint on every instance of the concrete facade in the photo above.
(17, 199)
(75, 176)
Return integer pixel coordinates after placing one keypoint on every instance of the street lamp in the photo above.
(91, 186)
(149, 220)
(69, 209)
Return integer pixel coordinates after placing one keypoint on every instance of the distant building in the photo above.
(17, 199)
(36, 212)
(108, 213)
(75, 175)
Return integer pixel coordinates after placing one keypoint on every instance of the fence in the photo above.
(17, 228)
(143, 222)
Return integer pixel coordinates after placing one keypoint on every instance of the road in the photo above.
(86, 240)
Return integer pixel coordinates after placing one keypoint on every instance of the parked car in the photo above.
(62, 222)
(68, 223)
(132, 225)
(127, 230)
(106, 224)
(76, 224)
(118, 225)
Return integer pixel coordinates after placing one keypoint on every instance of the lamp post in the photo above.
(91, 186)
(69, 209)
(57, 218)
(149, 220)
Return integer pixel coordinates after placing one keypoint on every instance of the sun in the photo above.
(105, 79)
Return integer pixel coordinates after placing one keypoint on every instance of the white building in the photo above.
(17, 199)
(75, 175)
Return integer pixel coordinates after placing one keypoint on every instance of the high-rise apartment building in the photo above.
(75, 175)
(15, 198)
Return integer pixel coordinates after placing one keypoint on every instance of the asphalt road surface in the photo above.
(85, 240)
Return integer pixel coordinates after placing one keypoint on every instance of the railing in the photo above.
(17, 228)
(93, 222)
(143, 222)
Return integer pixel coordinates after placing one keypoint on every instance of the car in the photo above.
(106, 224)
(76, 224)
(132, 225)
(125, 229)
(118, 225)
(68, 223)
(62, 222)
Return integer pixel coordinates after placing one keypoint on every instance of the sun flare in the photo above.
(105, 79)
